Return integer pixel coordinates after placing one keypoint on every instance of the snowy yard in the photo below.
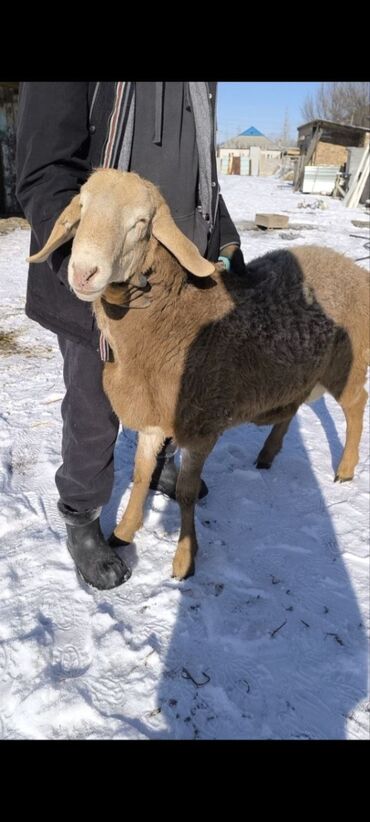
(268, 639)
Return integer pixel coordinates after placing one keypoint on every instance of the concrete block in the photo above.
(272, 220)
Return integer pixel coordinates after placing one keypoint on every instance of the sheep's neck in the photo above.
(117, 301)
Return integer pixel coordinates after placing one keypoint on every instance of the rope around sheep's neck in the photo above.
(117, 310)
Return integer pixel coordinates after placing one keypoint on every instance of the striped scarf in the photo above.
(117, 148)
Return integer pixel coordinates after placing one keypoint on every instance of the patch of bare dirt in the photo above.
(9, 224)
(10, 345)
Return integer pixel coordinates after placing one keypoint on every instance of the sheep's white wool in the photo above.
(317, 392)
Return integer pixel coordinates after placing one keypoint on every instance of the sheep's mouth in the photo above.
(88, 296)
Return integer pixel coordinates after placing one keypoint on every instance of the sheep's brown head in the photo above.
(112, 221)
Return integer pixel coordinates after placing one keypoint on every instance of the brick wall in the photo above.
(329, 154)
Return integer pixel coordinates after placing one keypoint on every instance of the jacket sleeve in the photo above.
(52, 156)
(228, 232)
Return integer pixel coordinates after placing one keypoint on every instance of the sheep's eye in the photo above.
(138, 223)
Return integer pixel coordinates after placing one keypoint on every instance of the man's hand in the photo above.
(234, 254)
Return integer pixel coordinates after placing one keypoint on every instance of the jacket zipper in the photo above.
(213, 122)
(93, 101)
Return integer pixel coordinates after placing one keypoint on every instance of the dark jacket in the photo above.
(62, 135)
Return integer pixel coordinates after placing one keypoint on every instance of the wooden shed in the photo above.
(326, 143)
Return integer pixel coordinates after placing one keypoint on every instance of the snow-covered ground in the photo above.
(268, 639)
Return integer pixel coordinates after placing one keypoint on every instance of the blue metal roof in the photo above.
(251, 132)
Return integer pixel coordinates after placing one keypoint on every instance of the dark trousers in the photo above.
(90, 428)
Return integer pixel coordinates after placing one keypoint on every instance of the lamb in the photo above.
(198, 350)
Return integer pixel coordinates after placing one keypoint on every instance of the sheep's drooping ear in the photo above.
(165, 230)
(64, 229)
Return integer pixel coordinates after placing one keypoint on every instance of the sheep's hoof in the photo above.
(262, 464)
(125, 533)
(116, 542)
(183, 566)
(344, 473)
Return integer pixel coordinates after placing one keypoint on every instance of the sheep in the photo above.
(198, 350)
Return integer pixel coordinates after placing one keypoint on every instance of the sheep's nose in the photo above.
(82, 276)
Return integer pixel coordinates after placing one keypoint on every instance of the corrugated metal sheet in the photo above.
(223, 165)
(245, 165)
(354, 158)
(319, 179)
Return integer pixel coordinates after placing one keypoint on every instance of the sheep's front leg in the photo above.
(187, 490)
(149, 444)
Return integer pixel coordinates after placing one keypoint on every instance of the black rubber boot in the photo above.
(165, 474)
(95, 560)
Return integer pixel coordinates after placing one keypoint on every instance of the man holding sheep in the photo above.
(164, 131)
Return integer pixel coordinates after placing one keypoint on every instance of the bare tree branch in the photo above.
(342, 102)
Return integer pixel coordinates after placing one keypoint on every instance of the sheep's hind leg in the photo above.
(273, 444)
(354, 414)
(187, 490)
(148, 446)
